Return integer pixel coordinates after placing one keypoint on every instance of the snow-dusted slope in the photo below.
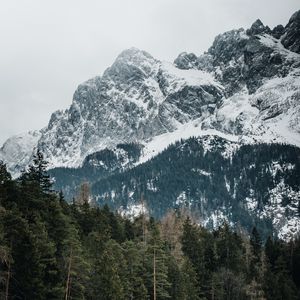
(17, 150)
(271, 114)
(191, 129)
(261, 78)
(137, 98)
(216, 180)
(247, 87)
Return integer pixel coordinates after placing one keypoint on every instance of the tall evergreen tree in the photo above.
(37, 172)
(108, 282)
(76, 267)
(156, 263)
(133, 255)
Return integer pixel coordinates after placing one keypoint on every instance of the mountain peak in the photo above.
(130, 63)
(134, 54)
(295, 17)
(134, 51)
(257, 24)
(278, 31)
(258, 28)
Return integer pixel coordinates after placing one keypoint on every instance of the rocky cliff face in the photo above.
(260, 75)
(137, 98)
(291, 33)
(247, 85)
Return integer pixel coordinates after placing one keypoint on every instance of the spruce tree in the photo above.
(190, 284)
(158, 284)
(37, 172)
(76, 266)
(108, 282)
(135, 270)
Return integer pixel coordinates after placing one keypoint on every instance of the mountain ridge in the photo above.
(140, 97)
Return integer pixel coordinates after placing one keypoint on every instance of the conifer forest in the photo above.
(50, 249)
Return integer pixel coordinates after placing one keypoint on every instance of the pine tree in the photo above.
(84, 194)
(171, 228)
(193, 249)
(256, 243)
(190, 284)
(35, 189)
(43, 264)
(32, 275)
(285, 288)
(4, 174)
(295, 263)
(228, 285)
(107, 281)
(156, 264)
(7, 187)
(133, 255)
(37, 173)
(76, 267)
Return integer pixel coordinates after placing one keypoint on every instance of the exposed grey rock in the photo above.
(239, 58)
(205, 62)
(278, 31)
(258, 64)
(228, 46)
(291, 39)
(227, 58)
(137, 98)
(258, 28)
(186, 61)
(16, 152)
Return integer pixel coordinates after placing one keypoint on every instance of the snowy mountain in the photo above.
(244, 90)
(136, 99)
(17, 150)
(246, 85)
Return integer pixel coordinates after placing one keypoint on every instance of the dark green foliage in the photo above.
(96, 166)
(53, 250)
(156, 259)
(208, 179)
(4, 174)
(37, 175)
(189, 284)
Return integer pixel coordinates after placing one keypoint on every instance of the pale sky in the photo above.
(47, 48)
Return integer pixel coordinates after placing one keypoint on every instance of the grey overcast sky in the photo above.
(48, 47)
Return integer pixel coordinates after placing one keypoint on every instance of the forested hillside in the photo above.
(248, 185)
(254, 185)
(98, 165)
(53, 250)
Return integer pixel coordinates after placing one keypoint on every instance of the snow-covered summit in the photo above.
(137, 98)
(246, 85)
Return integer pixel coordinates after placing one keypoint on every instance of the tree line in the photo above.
(50, 249)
